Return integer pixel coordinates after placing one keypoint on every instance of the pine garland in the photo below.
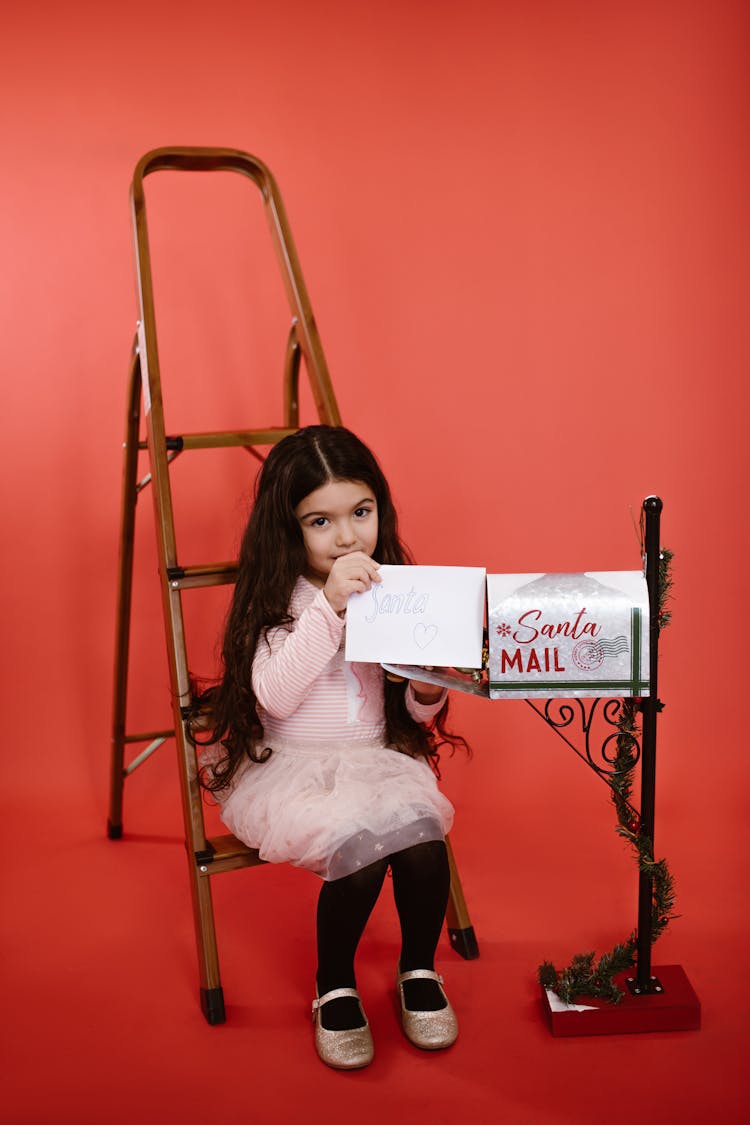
(585, 976)
(665, 586)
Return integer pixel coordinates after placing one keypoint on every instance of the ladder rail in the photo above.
(124, 594)
(303, 341)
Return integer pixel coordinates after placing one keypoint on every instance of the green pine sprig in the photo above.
(665, 586)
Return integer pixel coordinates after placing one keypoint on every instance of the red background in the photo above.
(524, 231)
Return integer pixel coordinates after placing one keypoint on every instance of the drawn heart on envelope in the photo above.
(424, 634)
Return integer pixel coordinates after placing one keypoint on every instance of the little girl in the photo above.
(323, 763)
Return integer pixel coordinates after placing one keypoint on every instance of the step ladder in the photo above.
(206, 857)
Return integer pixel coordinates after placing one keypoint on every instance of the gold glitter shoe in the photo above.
(344, 1050)
(428, 1030)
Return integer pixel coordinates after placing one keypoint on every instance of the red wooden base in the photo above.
(676, 1008)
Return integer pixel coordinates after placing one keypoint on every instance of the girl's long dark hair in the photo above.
(272, 557)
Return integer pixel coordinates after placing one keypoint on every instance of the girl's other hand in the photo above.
(425, 693)
(350, 574)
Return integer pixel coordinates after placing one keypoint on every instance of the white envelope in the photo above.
(419, 615)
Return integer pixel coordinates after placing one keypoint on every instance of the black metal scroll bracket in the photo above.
(561, 714)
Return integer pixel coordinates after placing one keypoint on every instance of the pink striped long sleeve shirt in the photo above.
(305, 689)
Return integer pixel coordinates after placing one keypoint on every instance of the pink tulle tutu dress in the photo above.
(332, 797)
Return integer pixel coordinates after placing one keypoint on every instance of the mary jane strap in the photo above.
(419, 974)
(334, 994)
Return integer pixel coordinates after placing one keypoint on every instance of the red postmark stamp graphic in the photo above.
(588, 656)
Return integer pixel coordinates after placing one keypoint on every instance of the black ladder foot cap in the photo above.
(464, 942)
(114, 831)
(212, 1005)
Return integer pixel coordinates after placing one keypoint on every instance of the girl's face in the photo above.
(336, 519)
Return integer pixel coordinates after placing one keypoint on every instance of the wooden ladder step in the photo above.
(224, 439)
(229, 853)
(207, 574)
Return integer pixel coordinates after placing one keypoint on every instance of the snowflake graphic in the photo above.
(503, 630)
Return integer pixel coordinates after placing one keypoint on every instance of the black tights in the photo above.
(421, 881)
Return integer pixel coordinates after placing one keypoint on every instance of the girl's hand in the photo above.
(350, 574)
(426, 693)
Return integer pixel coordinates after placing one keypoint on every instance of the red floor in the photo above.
(102, 1023)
